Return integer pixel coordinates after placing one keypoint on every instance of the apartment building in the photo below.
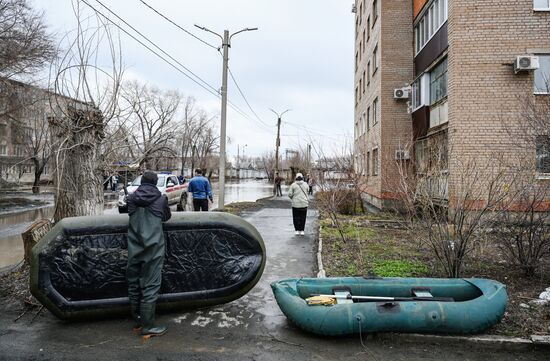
(24, 131)
(467, 66)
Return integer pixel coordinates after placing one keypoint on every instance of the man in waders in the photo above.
(147, 209)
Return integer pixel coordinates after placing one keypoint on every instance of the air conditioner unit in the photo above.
(401, 93)
(353, 8)
(402, 154)
(525, 63)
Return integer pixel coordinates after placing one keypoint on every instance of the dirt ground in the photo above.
(392, 252)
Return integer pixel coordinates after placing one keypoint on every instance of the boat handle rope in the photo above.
(358, 318)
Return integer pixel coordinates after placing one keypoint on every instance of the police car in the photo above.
(168, 184)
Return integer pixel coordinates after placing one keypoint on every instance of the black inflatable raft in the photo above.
(78, 268)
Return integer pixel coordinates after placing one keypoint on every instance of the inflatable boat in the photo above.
(78, 270)
(340, 306)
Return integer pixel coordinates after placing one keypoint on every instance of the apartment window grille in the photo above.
(542, 75)
(438, 82)
(375, 111)
(3, 149)
(541, 5)
(543, 153)
(3, 131)
(375, 162)
(430, 22)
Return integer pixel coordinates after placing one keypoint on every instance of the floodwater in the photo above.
(13, 224)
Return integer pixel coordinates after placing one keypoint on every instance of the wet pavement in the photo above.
(250, 328)
(16, 221)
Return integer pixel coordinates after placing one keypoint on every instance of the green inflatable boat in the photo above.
(347, 305)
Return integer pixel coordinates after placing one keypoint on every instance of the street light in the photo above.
(226, 44)
(277, 143)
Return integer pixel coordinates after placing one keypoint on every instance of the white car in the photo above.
(167, 184)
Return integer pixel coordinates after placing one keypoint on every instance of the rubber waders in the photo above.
(149, 329)
(134, 311)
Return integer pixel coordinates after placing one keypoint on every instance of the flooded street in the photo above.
(13, 224)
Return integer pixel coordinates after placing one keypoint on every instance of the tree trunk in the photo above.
(36, 183)
(79, 178)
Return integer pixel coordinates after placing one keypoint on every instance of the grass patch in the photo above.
(350, 231)
(397, 268)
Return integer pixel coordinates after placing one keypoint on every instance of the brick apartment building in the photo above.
(439, 74)
(24, 113)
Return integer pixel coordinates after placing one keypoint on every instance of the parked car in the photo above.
(168, 184)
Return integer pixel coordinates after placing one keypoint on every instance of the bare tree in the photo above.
(151, 117)
(26, 44)
(86, 102)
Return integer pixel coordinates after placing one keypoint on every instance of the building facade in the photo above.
(457, 60)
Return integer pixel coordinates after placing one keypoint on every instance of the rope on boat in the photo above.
(358, 318)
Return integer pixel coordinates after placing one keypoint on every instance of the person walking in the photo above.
(298, 193)
(278, 181)
(311, 184)
(147, 209)
(200, 188)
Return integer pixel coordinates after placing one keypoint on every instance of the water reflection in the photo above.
(12, 225)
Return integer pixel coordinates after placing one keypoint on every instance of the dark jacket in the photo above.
(148, 196)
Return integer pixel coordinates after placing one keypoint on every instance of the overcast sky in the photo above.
(300, 58)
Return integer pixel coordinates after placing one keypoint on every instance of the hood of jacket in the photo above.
(145, 195)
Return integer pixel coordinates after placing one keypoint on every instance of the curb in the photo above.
(321, 272)
(484, 340)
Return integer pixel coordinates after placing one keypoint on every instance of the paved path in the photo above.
(251, 328)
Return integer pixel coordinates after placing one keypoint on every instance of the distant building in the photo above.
(24, 130)
(439, 74)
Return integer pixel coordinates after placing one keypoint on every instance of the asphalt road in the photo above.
(251, 328)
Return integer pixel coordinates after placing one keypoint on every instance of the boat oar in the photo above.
(382, 299)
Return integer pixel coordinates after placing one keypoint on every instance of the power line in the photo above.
(212, 90)
(155, 45)
(178, 26)
(246, 100)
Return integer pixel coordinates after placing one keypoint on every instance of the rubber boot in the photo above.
(134, 311)
(147, 311)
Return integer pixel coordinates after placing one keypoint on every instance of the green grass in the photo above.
(351, 232)
(396, 268)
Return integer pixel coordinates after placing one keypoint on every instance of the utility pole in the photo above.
(226, 44)
(277, 142)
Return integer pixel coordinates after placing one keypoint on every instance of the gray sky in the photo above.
(300, 58)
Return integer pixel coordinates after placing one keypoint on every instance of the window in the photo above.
(368, 72)
(363, 120)
(541, 4)
(367, 158)
(368, 118)
(360, 87)
(375, 111)
(375, 162)
(438, 82)
(542, 75)
(375, 59)
(364, 83)
(3, 150)
(364, 41)
(3, 132)
(356, 61)
(429, 23)
(368, 28)
(374, 11)
(356, 95)
(417, 94)
(542, 144)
